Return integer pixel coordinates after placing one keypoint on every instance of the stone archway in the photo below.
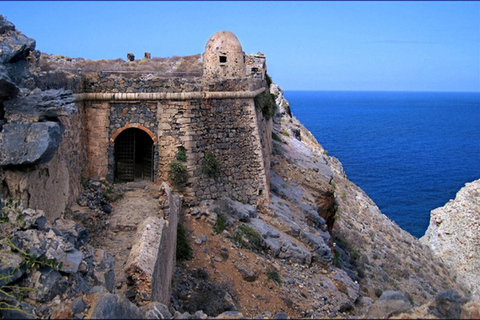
(134, 151)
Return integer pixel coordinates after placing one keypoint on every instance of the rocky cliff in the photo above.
(453, 235)
(40, 162)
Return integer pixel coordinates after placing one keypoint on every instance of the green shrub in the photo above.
(248, 238)
(269, 80)
(336, 255)
(178, 175)
(273, 275)
(184, 250)
(378, 292)
(355, 254)
(210, 165)
(220, 224)
(285, 133)
(266, 102)
(112, 194)
(276, 137)
(410, 298)
(181, 154)
(333, 184)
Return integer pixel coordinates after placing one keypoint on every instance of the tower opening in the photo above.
(134, 156)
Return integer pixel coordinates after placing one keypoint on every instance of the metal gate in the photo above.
(134, 151)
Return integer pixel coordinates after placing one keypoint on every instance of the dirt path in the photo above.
(140, 201)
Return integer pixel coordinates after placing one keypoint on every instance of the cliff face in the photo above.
(40, 162)
(370, 247)
(453, 235)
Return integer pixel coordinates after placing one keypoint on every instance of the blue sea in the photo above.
(411, 152)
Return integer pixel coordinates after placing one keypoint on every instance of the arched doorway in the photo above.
(134, 155)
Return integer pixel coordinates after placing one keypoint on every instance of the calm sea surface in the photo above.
(409, 151)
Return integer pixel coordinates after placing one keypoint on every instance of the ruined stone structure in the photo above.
(151, 262)
(136, 126)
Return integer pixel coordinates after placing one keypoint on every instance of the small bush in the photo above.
(184, 250)
(410, 298)
(220, 224)
(269, 80)
(266, 102)
(181, 154)
(285, 133)
(112, 194)
(273, 275)
(333, 184)
(355, 254)
(178, 175)
(248, 238)
(210, 165)
(276, 137)
(378, 292)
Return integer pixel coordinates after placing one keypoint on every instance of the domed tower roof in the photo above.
(223, 57)
(223, 41)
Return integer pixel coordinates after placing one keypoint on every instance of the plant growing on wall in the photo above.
(266, 102)
(184, 250)
(178, 175)
(210, 165)
(181, 154)
(269, 80)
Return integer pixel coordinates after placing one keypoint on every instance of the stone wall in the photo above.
(265, 128)
(97, 116)
(100, 82)
(220, 119)
(227, 128)
(152, 259)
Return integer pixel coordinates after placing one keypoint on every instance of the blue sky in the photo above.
(324, 45)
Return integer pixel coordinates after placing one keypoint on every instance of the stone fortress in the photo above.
(136, 134)
(121, 127)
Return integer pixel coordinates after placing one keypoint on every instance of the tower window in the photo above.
(223, 59)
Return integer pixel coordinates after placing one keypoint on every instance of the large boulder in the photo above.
(29, 143)
(111, 306)
(448, 304)
(389, 304)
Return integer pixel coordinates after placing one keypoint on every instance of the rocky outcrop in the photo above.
(40, 159)
(453, 235)
(367, 245)
(390, 303)
(48, 261)
(29, 143)
(15, 49)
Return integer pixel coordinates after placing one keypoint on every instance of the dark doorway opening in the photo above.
(134, 156)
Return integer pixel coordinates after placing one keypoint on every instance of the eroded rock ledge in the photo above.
(454, 235)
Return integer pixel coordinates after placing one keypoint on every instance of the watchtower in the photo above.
(223, 57)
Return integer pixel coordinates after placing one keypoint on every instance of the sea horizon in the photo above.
(410, 151)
